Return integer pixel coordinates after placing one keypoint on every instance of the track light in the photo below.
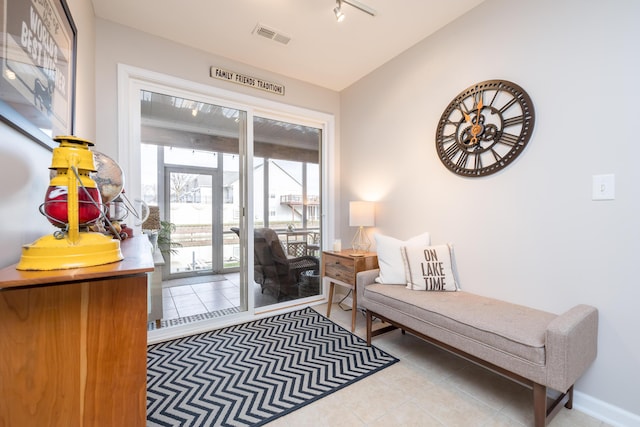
(362, 7)
(338, 11)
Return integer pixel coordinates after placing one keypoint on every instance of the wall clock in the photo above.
(485, 128)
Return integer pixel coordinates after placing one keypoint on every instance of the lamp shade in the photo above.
(361, 214)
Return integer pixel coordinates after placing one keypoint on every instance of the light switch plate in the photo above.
(604, 187)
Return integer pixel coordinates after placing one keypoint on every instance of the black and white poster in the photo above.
(38, 65)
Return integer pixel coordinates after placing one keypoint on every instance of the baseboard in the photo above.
(603, 411)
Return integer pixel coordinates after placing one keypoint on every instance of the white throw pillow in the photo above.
(390, 256)
(429, 268)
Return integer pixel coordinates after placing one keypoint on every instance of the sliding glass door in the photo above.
(191, 154)
(287, 206)
(238, 195)
(191, 167)
(190, 172)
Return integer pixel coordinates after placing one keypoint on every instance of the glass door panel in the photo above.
(286, 201)
(191, 152)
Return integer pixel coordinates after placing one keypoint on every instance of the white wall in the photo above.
(531, 233)
(85, 117)
(117, 44)
(24, 164)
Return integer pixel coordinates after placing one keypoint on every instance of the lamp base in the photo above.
(50, 253)
(360, 242)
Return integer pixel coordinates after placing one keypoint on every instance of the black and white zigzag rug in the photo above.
(253, 373)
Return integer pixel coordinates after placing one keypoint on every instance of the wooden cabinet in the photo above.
(73, 343)
(341, 268)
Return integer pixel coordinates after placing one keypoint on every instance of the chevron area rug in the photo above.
(253, 373)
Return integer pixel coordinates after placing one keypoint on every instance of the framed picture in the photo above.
(38, 59)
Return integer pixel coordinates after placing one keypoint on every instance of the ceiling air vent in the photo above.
(271, 34)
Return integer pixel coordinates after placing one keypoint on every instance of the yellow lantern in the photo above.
(72, 201)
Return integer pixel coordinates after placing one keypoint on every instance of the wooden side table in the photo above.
(341, 268)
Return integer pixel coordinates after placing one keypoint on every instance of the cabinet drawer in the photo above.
(340, 268)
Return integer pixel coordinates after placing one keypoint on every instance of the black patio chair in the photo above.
(273, 270)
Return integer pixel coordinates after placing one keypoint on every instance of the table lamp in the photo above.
(361, 214)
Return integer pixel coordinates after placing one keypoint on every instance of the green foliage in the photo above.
(165, 243)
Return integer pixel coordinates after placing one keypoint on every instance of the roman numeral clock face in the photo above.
(485, 128)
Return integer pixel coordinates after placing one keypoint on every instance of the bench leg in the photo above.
(569, 404)
(369, 325)
(354, 310)
(539, 405)
(543, 409)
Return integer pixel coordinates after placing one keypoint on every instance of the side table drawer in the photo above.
(339, 268)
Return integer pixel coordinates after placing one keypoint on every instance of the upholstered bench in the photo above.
(533, 347)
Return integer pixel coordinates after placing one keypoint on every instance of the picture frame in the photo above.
(38, 67)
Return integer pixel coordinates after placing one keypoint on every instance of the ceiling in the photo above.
(321, 50)
(176, 122)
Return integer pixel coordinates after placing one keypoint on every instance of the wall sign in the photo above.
(232, 76)
(37, 61)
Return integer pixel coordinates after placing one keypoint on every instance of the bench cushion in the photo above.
(473, 317)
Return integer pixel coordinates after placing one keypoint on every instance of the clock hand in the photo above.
(476, 129)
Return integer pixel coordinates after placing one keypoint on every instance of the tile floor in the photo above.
(197, 298)
(190, 298)
(428, 387)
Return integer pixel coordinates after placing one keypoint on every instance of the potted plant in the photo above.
(165, 243)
